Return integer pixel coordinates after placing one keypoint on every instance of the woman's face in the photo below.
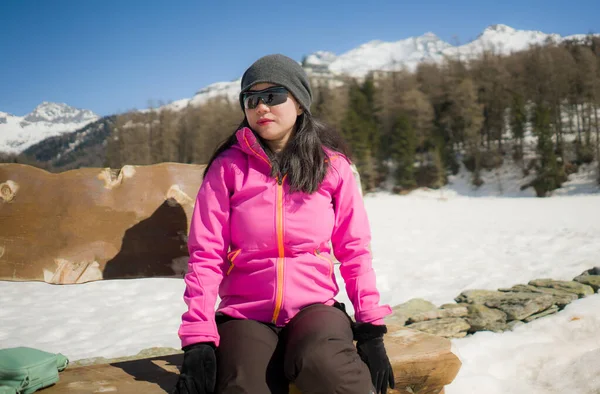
(274, 124)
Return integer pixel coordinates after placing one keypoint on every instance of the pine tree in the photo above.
(403, 145)
(550, 174)
(329, 105)
(586, 83)
(360, 130)
(518, 120)
(464, 119)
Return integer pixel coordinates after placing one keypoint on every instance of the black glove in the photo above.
(199, 370)
(371, 350)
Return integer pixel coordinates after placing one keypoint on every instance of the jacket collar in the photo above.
(249, 144)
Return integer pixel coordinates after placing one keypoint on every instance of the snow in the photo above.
(582, 182)
(17, 133)
(558, 354)
(177, 105)
(229, 90)
(57, 113)
(320, 58)
(379, 55)
(502, 39)
(429, 244)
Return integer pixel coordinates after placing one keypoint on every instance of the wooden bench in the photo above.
(422, 364)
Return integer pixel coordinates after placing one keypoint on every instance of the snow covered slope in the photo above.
(18, 133)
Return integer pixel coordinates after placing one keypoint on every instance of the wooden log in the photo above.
(423, 364)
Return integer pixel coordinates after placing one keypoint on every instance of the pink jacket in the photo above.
(265, 251)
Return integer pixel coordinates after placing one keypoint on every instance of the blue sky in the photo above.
(111, 56)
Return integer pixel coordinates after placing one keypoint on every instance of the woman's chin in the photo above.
(268, 133)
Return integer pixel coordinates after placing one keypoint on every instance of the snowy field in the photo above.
(428, 244)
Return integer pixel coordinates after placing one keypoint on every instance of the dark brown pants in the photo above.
(315, 351)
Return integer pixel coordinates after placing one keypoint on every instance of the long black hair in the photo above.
(303, 158)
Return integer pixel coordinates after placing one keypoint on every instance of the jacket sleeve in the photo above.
(350, 240)
(208, 242)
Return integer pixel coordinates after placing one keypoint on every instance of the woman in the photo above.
(275, 195)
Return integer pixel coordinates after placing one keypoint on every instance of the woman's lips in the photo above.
(263, 121)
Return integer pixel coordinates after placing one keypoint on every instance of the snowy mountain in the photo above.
(380, 55)
(387, 56)
(18, 133)
(229, 90)
(408, 53)
(504, 39)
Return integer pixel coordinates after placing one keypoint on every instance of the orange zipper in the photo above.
(231, 256)
(319, 255)
(279, 225)
(279, 229)
(255, 152)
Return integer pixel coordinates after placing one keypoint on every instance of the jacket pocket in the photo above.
(326, 258)
(231, 256)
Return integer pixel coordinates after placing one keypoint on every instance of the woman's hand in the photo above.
(372, 351)
(199, 370)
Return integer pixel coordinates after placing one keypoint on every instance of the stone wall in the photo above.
(95, 223)
(486, 310)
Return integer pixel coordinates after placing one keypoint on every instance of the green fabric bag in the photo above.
(25, 370)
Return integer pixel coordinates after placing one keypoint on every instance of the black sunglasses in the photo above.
(271, 96)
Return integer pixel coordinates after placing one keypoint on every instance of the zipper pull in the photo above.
(279, 179)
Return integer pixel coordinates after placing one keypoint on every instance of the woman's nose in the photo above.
(262, 108)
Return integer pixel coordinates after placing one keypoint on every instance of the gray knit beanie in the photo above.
(279, 70)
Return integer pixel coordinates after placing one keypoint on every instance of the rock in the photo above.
(549, 311)
(453, 327)
(482, 318)
(95, 223)
(518, 306)
(591, 280)
(438, 314)
(451, 305)
(513, 324)
(422, 363)
(591, 271)
(571, 286)
(145, 353)
(478, 296)
(561, 297)
(408, 309)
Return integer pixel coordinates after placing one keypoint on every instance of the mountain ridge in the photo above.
(408, 53)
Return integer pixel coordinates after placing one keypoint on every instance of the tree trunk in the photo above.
(578, 124)
(597, 140)
(522, 151)
(559, 133)
(588, 129)
(571, 121)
